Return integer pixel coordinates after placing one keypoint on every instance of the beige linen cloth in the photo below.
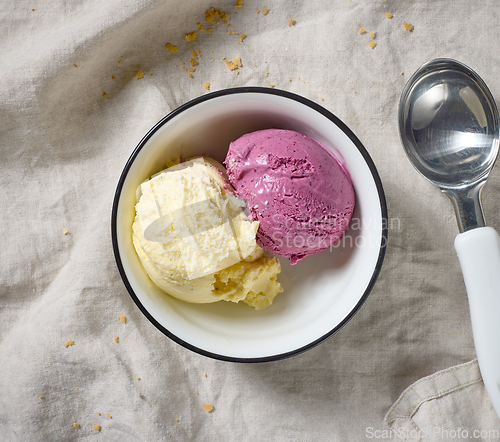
(81, 82)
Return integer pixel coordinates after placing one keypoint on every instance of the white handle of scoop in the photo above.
(478, 251)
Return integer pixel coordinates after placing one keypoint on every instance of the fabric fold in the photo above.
(451, 404)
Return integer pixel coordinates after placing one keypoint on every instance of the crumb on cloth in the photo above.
(237, 61)
(230, 65)
(171, 47)
(214, 14)
(191, 36)
(234, 64)
(408, 26)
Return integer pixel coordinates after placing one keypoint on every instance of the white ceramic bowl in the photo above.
(321, 293)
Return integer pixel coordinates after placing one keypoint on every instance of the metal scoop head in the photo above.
(448, 123)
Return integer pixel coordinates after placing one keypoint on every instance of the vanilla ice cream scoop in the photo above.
(195, 240)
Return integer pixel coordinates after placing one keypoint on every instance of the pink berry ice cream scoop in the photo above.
(299, 192)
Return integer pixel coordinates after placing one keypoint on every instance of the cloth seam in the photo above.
(431, 377)
(436, 396)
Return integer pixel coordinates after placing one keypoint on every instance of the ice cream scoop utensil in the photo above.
(448, 121)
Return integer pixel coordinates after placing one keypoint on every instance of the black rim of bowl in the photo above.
(324, 112)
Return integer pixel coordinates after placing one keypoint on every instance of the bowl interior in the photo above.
(321, 292)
